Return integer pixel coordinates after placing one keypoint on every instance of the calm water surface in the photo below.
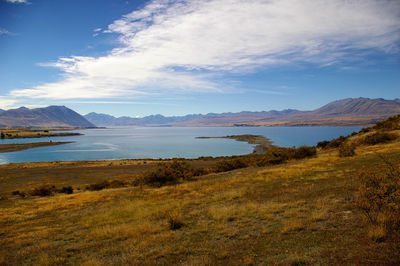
(165, 142)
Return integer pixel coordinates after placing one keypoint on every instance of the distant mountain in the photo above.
(52, 116)
(1, 110)
(360, 106)
(109, 120)
(244, 118)
(346, 112)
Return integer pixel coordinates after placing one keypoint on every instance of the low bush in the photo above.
(44, 191)
(170, 173)
(67, 190)
(392, 123)
(304, 152)
(269, 160)
(273, 156)
(228, 165)
(379, 199)
(18, 193)
(323, 144)
(378, 137)
(347, 150)
(97, 186)
(174, 220)
(334, 143)
(106, 184)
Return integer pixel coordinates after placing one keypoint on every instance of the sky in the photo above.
(177, 57)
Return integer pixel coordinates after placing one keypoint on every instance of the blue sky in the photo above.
(178, 57)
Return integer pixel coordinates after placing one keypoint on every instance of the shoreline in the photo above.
(25, 146)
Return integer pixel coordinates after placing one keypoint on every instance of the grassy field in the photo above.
(300, 212)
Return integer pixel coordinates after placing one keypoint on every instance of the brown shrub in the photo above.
(378, 137)
(67, 190)
(170, 173)
(228, 165)
(347, 150)
(334, 143)
(106, 184)
(392, 123)
(379, 197)
(43, 191)
(174, 220)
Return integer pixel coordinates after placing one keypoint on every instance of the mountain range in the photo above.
(346, 112)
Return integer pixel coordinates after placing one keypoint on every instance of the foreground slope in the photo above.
(300, 212)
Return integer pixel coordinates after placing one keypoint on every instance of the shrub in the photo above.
(322, 144)
(392, 123)
(228, 165)
(304, 152)
(174, 220)
(269, 160)
(379, 137)
(106, 184)
(116, 184)
(67, 190)
(170, 173)
(334, 143)
(18, 193)
(98, 186)
(379, 198)
(365, 130)
(347, 150)
(43, 191)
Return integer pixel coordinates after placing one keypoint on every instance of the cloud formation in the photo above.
(185, 45)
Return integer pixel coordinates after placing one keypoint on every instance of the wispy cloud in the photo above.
(4, 32)
(18, 1)
(187, 45)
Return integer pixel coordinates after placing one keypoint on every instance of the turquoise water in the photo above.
(165, 142)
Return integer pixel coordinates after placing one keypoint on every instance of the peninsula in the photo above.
(262, 143)
(26, 146)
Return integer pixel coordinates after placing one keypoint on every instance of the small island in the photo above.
(25, 146)
(262, 142)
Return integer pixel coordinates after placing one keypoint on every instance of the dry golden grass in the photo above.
(301, 212)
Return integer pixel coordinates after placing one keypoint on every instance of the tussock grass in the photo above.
(292, 226)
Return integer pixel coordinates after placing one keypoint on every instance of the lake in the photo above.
(165, 142)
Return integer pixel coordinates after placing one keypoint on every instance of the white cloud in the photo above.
(4, 31)
(18, 1)
(6, 103)
(185, 45)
